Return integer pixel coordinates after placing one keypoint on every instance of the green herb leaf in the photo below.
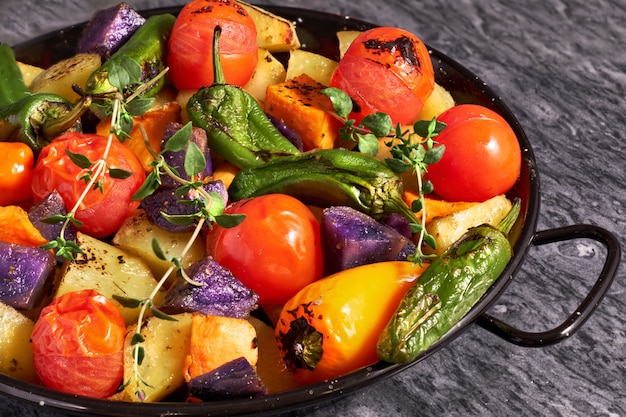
(119, 173)
(54, 219)
(149, 186)
(379, 123)
(342, 103)
(79, 160)
(195, 160)
(139, 106)
(127, 301)
(229, 220)
(368, 144)
(181, 219)
(158, 313)
(126, 73)
(179, 140)
(158, 250)
(137, 338)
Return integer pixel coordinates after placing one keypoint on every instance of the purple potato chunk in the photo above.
(165, 200)
(24, 273)
(177, 159)
(221, 293)
(236, 378)
(291, 135)
(400, 223)
(108, 29)
(51, 205)
(351, 238)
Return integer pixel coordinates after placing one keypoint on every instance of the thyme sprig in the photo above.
(121, 105)
(410, 150)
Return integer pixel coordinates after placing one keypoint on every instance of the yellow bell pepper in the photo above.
(330, 328)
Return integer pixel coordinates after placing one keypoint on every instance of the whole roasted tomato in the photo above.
(482, 158)
(190, 57)
(78, 343)
(275, 251)
(103, 210)
(387, 70)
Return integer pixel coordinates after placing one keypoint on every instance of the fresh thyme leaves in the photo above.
(411, 150)
(371, 128)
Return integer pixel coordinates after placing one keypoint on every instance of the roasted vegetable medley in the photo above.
(195, 207)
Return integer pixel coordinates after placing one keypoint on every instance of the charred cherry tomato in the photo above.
(191, 44)
(78, 344)
(388, 70)
(482, 157)
(331, 327)
(103, 210)
(16, 172)
(275, 251)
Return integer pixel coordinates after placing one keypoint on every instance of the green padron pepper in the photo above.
(237, 127)
(447, 290)
(34, 119)
(326, 177)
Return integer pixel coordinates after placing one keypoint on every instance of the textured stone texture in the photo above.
(561, 67)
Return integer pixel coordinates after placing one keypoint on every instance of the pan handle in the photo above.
(586, 307)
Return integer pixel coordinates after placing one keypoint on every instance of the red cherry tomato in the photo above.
(16, 172)
(482, 157)
(388, 70)
(102, 211)
(191, 44)
(275, 251)
(78, 343)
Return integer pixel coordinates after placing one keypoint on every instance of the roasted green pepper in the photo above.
(237, 127)
(447, 290)
(326, 177)
(34, 119)
(147, 47)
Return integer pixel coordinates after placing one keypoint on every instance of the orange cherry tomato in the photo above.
(331, 327)
(103, 210)
(387, 70)
(190, 56)
(482, 157)
(16, 172)
(275, 251)
(78, 343)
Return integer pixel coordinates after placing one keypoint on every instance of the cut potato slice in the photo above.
(447, 230)
(314, 65)
(110, 271)
(166, 344)
(268, 71)
(59, 78)
(16, 355)
(274, 33)
(29, 72)
(135, 237)
(345, 38)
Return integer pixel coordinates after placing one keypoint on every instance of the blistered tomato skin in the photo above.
(191, 44)
(275, 251)
(386, 70)
(78, 343)
(103, 210)
(482, 158)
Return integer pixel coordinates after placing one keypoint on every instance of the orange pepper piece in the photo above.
(436, 207)
(16, 227)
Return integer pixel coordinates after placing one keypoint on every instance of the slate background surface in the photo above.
(561, 67)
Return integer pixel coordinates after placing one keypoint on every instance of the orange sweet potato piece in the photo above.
(154, 123)
(436, 207)
(299, 103)
(216, 340)
(16, 227)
